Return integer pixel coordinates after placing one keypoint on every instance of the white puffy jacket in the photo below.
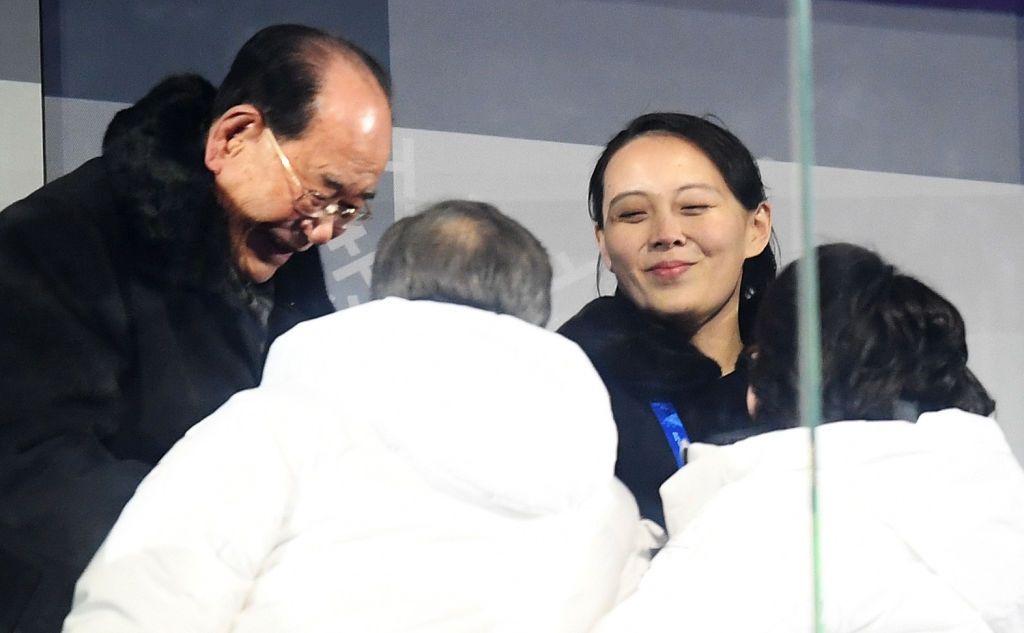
(922, 529)
(403, 466)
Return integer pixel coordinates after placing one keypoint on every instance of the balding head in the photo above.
(281, 69)
(302, 122)
(469, 253)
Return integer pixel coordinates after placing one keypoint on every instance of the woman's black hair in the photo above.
(891, 347)
(739, 170)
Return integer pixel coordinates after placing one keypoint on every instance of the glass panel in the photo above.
(893, 124)
(914, 150)
(802, 104)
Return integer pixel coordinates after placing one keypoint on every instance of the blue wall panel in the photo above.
(114, 50)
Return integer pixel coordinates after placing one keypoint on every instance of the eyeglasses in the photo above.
(315, 205)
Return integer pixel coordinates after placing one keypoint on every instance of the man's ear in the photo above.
(599, 236)
(229, 132)
(759, 229)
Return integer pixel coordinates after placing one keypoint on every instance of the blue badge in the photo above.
(674, 430)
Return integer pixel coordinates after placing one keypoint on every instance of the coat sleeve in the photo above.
(62, 357)
(188, 547)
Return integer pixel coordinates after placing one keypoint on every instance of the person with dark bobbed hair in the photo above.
(469, 253)
(920, 499)
(891, 347)
(683, 222)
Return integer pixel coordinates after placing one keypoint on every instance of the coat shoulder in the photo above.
(64, 237)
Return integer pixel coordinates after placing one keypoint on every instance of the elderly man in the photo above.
(142, 290)
(456, 473)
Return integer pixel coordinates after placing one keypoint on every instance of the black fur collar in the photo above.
(154, 155)
(634, 348)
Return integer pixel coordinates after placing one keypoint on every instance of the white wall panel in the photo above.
(961, 237)
(21, 151)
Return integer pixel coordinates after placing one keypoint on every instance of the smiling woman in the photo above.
(682, 222)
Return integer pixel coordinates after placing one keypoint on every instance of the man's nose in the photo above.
(319, 231)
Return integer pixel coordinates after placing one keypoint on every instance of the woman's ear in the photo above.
(759, 229)
(229, 132)
(599, 236)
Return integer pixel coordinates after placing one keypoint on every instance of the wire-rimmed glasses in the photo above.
(313, 204)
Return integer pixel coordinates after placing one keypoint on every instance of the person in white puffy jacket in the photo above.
(921, 501)
(404, 465)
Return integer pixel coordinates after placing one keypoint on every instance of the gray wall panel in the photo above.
(19, 41)
(577, 70)
(915, 90)
(907, 89)
(74, 131)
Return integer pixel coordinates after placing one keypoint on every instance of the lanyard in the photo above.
(674, 430)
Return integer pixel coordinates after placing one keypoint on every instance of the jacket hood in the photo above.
(153, 152)
(487, 406)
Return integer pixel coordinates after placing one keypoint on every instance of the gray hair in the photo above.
(468, 253)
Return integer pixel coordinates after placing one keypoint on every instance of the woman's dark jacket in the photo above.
(641, 361)
(123, 323)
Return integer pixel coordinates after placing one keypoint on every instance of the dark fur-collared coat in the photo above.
(643, 360)
(122, 324)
